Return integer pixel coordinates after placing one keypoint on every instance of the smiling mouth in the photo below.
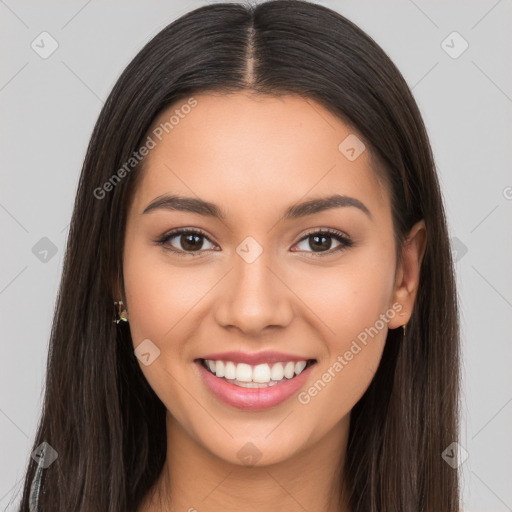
(256, 376)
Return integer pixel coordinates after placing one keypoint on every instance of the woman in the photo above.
(259, 210)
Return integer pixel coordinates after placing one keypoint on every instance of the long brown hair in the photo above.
(100, 414)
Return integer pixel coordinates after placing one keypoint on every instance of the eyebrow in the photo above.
(201, 207)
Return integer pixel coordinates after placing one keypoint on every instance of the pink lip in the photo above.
(253, 399)
(255, 358)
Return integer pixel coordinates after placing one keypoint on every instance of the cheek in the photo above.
(352, 305)
(350, 298)
(159, 296)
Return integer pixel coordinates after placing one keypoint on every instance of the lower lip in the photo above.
(253, 399)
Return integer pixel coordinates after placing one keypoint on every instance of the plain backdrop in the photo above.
(49, 107)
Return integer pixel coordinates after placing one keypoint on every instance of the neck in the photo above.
(193, 479)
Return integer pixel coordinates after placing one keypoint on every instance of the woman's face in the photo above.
(258, 288)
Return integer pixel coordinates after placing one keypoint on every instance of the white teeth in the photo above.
(299, 367)
(253, 384)
(230, 370)
(261, 373)
(289, 370)
(219, 369)
(243, 372)
(258, 376)
(277, 371)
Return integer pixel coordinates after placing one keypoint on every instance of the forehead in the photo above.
(243, 149)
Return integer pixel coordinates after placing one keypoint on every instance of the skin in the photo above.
(254, 157)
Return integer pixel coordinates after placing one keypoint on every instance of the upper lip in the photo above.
(255, 357)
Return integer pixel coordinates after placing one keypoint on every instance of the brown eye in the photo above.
(190, 242)
(322, 241)
(185, 241)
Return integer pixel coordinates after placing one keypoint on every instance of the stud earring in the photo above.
(121, 314)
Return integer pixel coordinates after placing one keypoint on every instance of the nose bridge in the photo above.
(253, 297)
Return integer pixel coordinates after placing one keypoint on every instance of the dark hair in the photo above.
(98, 406)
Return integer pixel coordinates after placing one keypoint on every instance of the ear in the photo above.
(408, 273)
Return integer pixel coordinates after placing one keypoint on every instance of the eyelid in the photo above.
(330, 231)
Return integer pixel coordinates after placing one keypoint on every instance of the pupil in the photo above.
(321, 240)
(190, 245)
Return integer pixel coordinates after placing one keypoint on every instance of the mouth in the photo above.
(254, 386)
(256, 376)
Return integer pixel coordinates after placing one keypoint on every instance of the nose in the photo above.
(254, 297)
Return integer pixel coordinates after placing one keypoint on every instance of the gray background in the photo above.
(49, 107)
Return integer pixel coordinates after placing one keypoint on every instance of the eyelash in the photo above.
(337, 235)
